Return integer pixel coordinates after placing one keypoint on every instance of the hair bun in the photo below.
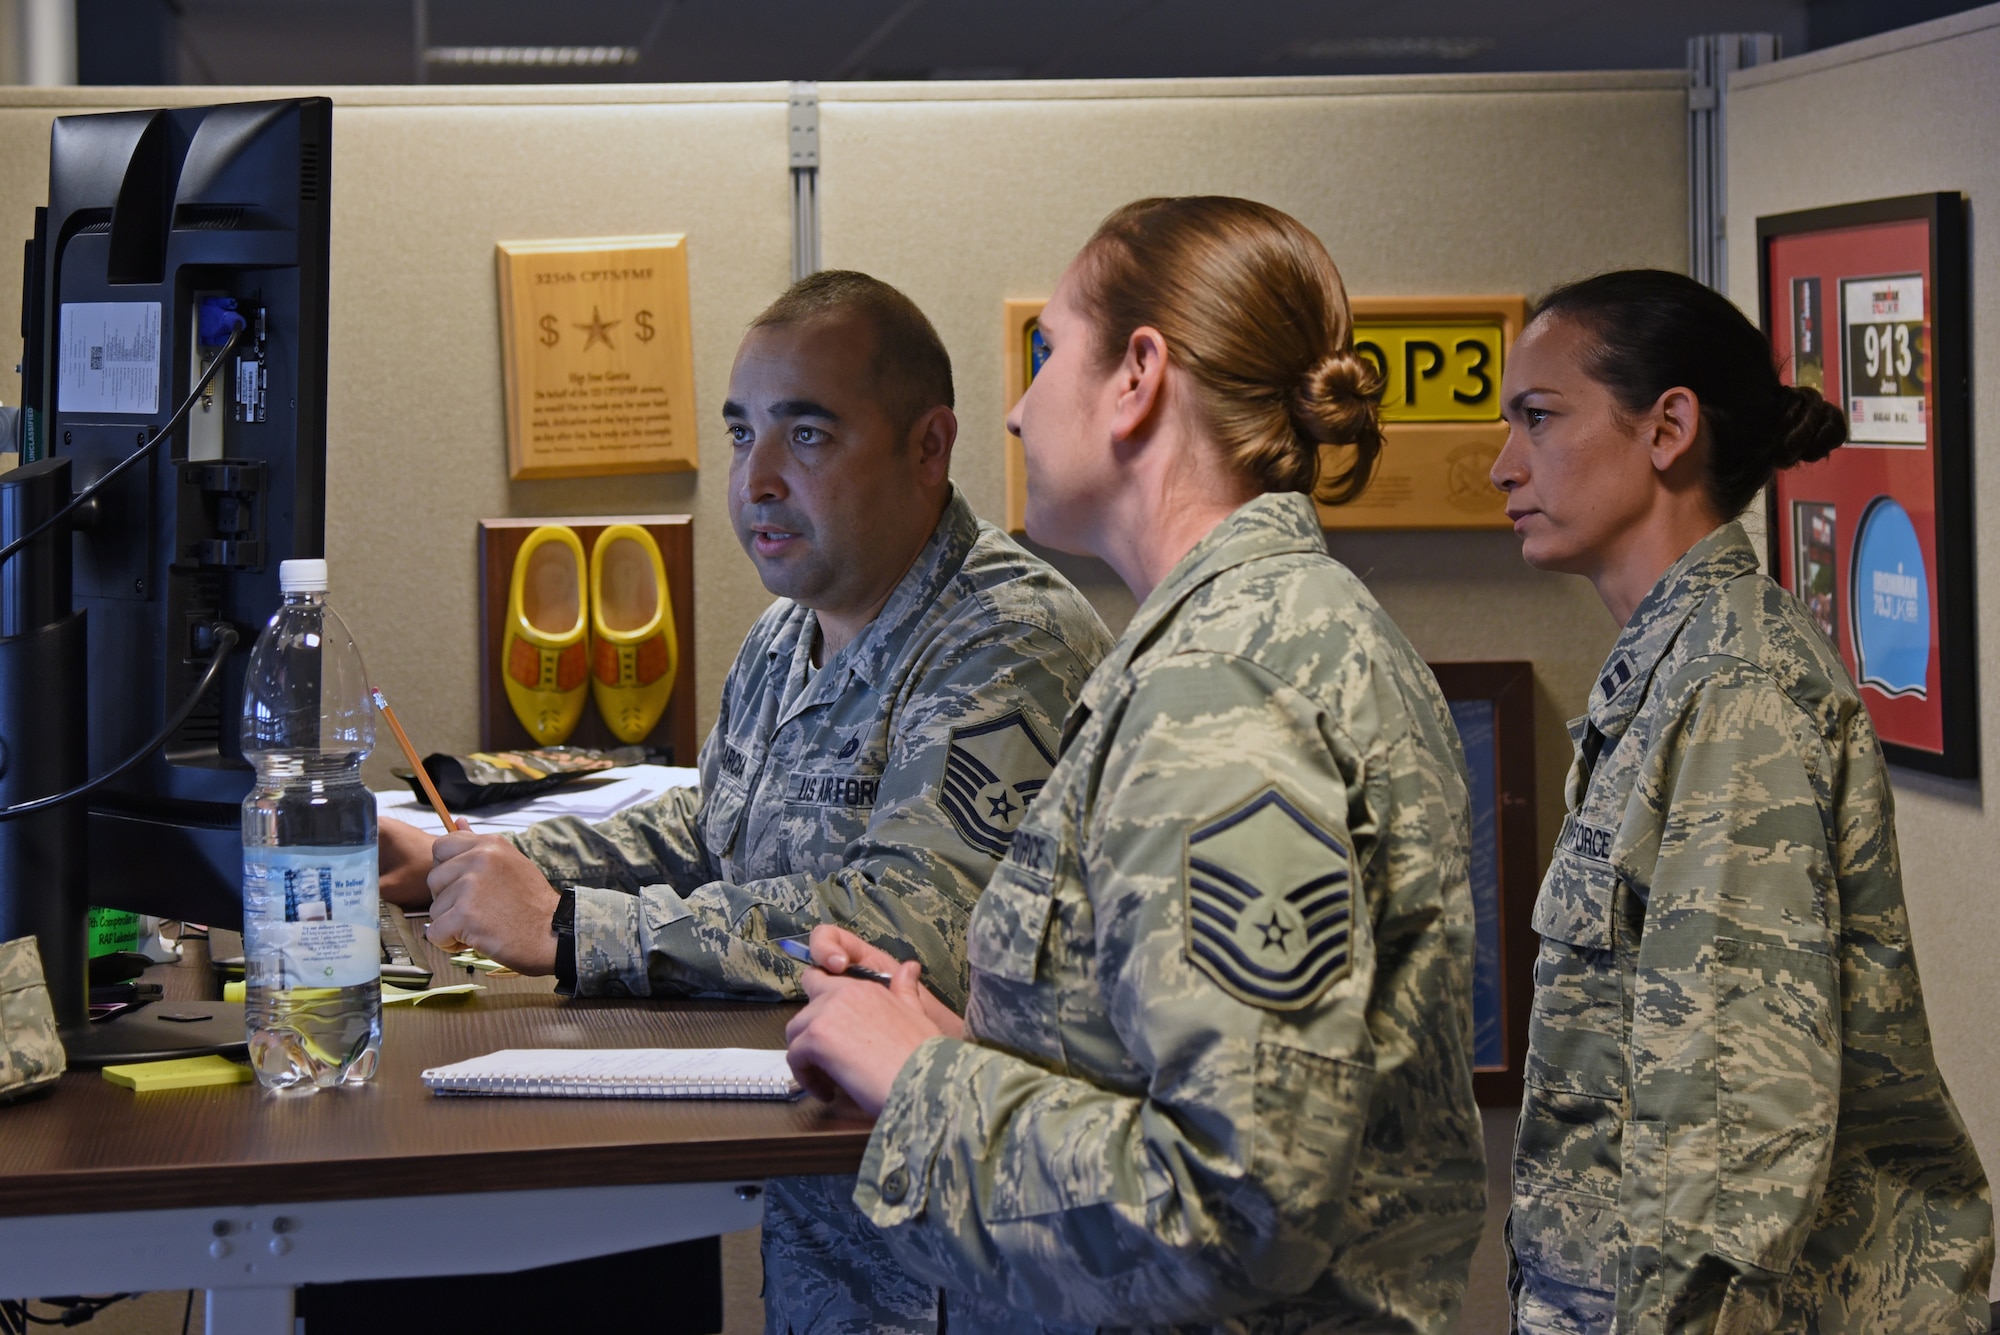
(1339, 401)
(1809, 428)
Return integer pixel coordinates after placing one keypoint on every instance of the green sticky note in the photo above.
(180, 1073)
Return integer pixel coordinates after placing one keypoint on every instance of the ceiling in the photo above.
(468, 41)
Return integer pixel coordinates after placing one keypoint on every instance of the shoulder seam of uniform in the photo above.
(1755, 667)
(1005, 621)
(1279, 682)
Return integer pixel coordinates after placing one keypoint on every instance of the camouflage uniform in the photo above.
(877, 793)
(1733, 1118)
(31, 1051)
(1217, 1070)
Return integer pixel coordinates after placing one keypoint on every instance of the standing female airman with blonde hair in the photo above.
(1214, 1072)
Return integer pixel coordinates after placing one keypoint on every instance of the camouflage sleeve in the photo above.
(907, 883)
(1736, 1019)
(1224, 936)
(654, 843)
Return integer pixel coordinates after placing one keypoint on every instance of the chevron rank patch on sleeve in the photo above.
(1269, 903)
(991, 772)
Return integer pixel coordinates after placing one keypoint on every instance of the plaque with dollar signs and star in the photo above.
(598, 356)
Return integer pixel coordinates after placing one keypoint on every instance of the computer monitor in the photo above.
(163, 230)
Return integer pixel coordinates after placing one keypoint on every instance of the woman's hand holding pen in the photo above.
(855, 1036)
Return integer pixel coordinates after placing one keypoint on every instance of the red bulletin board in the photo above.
(1866, 303)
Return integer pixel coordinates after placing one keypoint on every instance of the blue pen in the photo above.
(799, 951)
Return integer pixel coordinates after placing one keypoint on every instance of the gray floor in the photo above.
(743, 1274)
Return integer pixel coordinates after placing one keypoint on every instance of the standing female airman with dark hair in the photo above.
(1215, 1069)
(1734, 1121)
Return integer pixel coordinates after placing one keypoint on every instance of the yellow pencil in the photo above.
(403, 740)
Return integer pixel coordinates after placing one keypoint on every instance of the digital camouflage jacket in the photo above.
(878, 793)
(1217, 1070)
(1733, 1121)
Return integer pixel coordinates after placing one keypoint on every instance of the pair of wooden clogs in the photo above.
(607, 621)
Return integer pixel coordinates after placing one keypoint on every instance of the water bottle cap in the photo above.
(307, 576)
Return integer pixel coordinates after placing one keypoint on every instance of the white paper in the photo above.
(692, 1065)
(108, 358)
(597, 797)
(622, 1073)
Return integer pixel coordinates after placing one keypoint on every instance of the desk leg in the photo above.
(250, 1312)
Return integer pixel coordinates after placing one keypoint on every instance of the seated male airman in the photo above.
(880, 733)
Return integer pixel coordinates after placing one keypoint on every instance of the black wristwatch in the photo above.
(563, 923)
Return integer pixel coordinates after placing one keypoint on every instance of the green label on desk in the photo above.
(112, 930)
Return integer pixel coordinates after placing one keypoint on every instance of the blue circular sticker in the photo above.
(1891, 602)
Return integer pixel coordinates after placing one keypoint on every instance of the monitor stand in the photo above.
(161, 1029)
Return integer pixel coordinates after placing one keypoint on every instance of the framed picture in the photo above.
(1493, 705)
(1440, 359)
(1867, 304)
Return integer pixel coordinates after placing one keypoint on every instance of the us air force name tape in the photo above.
(812, 788)
(1590, 842)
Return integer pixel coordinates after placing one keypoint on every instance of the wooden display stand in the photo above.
(499, 541)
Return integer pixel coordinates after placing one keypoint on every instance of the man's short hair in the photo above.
(912, 369)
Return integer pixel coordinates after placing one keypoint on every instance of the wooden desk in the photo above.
(248, 1195)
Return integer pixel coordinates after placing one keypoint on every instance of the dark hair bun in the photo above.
(1809, 428)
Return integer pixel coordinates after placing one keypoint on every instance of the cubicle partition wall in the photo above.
(1907, 113)
(964, 194)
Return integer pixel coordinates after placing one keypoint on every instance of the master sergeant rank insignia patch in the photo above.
(1269, 904)
(991, 772)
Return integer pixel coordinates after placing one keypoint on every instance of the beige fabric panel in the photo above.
(963, 194)
(424, 183)
(1903, 114)
(420, 196)
(967, 195)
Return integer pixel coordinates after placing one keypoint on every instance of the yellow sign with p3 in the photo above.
(1436, 371)
(1441, 360)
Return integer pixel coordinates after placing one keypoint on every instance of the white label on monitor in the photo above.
(108, 358)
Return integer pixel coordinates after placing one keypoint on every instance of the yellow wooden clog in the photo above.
(633, 649)
(546, 661)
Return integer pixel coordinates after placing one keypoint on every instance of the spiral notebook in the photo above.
(621, 1073)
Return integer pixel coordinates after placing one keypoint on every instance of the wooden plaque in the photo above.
(1022, 319)
(598, 356)
(1441, 357)
(499, 541)
(1440, 441)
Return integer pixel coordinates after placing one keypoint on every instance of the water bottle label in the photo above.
(310, 917)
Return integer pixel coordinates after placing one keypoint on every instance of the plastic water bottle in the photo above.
(311, 933)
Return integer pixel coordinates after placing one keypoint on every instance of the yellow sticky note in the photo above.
(392, 995)
(181, 1073)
